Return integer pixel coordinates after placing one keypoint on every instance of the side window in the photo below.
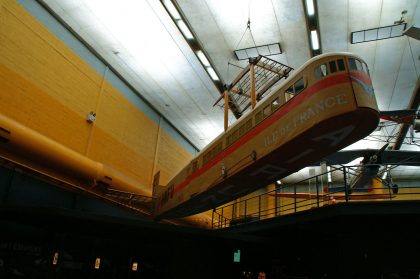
(340, 63)
(359, 66)
(333, 67)
(275, 104)
(234, 135)
(194, 166)
(258, 117)
(267, 111)
(210, 155)
(323, 69)
(218, 149)
(352, 64)
(320, 71)
(365, 68)
(242, 130)
(249, 125)
(290, 90)
(299, 85)
(228, 142)
(289, 94)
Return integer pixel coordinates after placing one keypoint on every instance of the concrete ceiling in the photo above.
(145, 46)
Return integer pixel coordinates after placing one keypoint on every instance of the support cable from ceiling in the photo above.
(248, 27)
(376, 42)
(414, 104)
(412, 57)
(278, 26)
(396, 78)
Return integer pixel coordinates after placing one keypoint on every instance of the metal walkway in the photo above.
(310, 193)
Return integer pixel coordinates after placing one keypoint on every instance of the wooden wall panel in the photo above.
(43, 80)
(171, 158)
(47, 87)
(123, 137)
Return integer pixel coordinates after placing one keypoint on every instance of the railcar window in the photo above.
(352, 64)
(275, 104)
(290, 90)
(320, 71)
(232, 137)
(258, 117)
(340, 63)
(235, 135)
(365, 68)
(194, 166)
(211, 154)
(333, 67)
(228, 142)
(267, 111)
(218, 149)
(249, 125)
(323, 69)
(242, 130)
(299, 85)
(359, 66)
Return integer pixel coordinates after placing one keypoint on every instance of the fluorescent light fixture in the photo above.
(380, 33)
(274, 49)
(310, 7)
(252, 52)
(212, 73)
(171, 9)
(185, 30)
(263, 50)
(203, 58)
(329, 174)
(383, 33)
(314, 40)
(241, 54)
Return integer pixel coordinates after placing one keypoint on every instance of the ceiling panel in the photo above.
(169, 75)
(156, 60)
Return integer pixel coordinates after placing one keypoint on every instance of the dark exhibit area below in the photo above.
(342, 241)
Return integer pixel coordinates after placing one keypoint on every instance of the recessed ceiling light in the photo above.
(212, 73)
(314, 40)
(171, 9)
(185, 30)
(203, 58)
(310, 7)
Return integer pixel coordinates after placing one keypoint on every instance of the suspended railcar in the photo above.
(326, 105)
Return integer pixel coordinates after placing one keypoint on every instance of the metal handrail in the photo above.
(253, 208)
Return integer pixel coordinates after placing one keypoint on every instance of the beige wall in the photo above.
(47, 87)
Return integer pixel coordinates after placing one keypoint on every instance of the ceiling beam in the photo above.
(196, 46)
(312, 25)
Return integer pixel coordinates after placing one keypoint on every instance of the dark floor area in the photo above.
(355, 240)
(345, 241)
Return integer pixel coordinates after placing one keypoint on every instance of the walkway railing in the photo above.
(313, 192)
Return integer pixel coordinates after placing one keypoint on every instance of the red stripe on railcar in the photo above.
(286, 108)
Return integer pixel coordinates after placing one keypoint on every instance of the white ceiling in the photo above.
(144, 45)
